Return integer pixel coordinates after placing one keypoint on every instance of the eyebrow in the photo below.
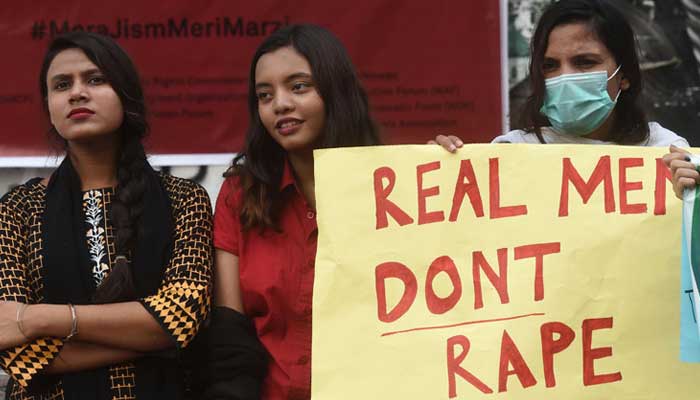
(297, 76)
(88, 72)
(288, 79)
(594, 55)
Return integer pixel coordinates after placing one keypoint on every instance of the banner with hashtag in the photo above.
(415, 61)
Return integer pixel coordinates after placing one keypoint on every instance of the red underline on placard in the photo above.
(482, 321)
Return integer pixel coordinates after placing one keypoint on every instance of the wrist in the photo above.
(42, 320)
(32, 321)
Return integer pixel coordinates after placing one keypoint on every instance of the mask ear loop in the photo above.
(619, 91)
(615, 73)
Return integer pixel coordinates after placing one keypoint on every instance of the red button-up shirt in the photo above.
(276, 279)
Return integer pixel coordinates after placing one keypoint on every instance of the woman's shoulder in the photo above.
(31, 191)
(660, 136)
(25, 197)
(183, 190)
(517, 136)
(231, 192)
(232, 183)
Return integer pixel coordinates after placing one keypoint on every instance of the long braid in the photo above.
(127, 208)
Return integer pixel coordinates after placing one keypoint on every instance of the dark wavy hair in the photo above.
(127, 206)
(347, 121)
(613, 30)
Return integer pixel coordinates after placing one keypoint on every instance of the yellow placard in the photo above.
(498, 272)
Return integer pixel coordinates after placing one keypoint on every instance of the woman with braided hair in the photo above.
(105, 267)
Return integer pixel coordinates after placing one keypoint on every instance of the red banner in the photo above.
(428, 67)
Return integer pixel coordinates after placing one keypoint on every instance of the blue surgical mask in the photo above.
(577, 104)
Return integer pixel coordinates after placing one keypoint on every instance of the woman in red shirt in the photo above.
(304, 94)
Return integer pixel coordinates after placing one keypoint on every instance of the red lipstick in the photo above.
(80, 113)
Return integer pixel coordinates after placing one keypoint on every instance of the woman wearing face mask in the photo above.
(105, 267)
(586, 82)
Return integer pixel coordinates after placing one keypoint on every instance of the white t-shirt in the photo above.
(658, 136)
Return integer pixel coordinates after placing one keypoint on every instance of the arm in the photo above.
(183, 301)
(79, 356)
(25, 358)
(169, 318)
(73, 356)
(227, 234)
(20, 358)
(234, 360)
(123, 325)
(227, 291)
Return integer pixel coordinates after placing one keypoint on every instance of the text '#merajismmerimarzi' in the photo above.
(172, 28)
